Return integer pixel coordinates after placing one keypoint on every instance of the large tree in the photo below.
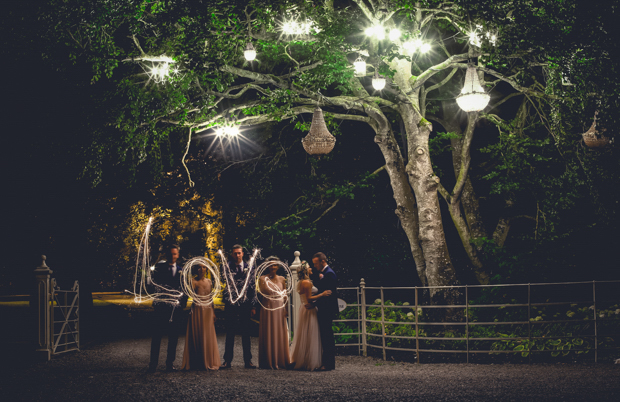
(179, 66)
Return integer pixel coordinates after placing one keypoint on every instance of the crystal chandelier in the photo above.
(319, 140)
(472, 97)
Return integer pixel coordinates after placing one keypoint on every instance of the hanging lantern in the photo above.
(319, 140)
(378, 81)
(250, 52)
(593, 139)
(472, 97)
(360, 66)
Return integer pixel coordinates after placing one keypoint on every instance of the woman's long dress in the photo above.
(201, 351)
(307, 348)
(273, 351)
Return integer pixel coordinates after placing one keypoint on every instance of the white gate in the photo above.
(65, 318)
(57, 314)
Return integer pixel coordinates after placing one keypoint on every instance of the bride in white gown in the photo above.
(307, 348)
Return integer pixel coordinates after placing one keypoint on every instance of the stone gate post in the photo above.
(295, 301)
(43, 310)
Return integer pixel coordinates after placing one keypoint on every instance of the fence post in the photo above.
(595, 323)
(43, 310)
(363, 318)
(529, 321)
(417, 339)
(294, 300)
(383, 322)
(76, 287)
(467, 320)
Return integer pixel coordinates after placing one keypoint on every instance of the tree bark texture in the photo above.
(439, 268)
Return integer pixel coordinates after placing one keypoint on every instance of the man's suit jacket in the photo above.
(162, 276)
(327, 304)
(239, 279)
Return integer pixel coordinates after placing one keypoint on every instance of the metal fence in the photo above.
(584, 314)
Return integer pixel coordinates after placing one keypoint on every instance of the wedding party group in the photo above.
(313, 346)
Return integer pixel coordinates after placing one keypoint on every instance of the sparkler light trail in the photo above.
(143, 275)
(275, 292)
(234, 294)
(186, 280)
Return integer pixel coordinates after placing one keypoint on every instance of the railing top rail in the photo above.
(486, 286)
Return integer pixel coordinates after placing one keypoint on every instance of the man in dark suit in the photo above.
(168, 306)
(327, 309)
(239, 307)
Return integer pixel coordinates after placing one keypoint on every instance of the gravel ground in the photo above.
(116, 371)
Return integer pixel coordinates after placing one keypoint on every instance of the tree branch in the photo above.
(449, 62)
(365, 10)
(135, 40)
(254, 120)
(465, 156)
(189, 140)
(512, 83)
(443, 82)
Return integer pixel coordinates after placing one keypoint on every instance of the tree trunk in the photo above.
(471, 225)
(439, 268)
(405, 202)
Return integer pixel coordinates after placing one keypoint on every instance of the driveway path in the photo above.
(115, 371)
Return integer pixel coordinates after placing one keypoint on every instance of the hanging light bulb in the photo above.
(250, 52)
(409, 46)
(227, 131)
(394, 34)
(472, 97)
(360, 66)
(379, 32)
(378, 81)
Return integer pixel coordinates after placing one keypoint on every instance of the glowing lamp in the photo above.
(472, 97)
(227, 131)
(289, 27)
(379, 32)
(360, 66)
(293, 27)
(394, 35)
(409, 46)
(159, 72)
(250, 52)
(378, 81)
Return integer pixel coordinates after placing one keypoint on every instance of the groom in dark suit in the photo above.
(327, 309)
(238, 313)
(166, 278)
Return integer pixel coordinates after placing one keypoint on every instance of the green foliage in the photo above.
(554, 339)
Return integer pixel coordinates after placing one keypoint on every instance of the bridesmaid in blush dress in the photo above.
(307, 348)
(273, 351)
(201, 351)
